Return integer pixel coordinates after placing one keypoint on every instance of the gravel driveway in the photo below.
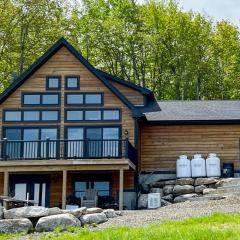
(175, 212)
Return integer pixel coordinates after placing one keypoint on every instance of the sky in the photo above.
(215, 9)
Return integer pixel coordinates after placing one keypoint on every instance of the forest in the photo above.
(179, 55)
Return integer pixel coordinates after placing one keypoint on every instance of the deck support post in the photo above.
(6, 183)
(64, 189)
(121, 189)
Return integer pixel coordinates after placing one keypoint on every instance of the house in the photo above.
(67, 127)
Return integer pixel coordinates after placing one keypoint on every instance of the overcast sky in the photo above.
(216, 9)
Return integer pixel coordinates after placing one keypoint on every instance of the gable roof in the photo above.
(50, 52)
(218, 111)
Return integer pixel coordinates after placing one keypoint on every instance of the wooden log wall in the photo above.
(162, 145)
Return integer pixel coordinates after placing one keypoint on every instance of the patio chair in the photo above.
(90, 199)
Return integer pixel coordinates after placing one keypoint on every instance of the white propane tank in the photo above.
(213, 165)
(198, 166)
(183, 167)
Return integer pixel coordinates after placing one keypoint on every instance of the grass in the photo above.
(216, 227)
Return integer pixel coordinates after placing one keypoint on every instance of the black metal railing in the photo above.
(64, 149)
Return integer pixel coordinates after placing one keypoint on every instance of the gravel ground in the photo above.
(175, 212)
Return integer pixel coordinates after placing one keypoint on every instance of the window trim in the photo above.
(91, 109)
(72, 88)
(84, 101)
(41, 97)
(32, 121)
(52, 88)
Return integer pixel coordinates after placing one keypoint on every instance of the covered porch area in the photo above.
(56, 183)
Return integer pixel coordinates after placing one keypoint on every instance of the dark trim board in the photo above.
(50, 52)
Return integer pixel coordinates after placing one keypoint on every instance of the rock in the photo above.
(157, 190)
(205, 181)
(228, 182)
(26, 212)
(119, 213)
(93, 210)
(184, 197)
(185, 181)
(96, 218)
(181, 190)
(49, 223)
(110, 213)
(54, 211)
(1, 212)
(22, 225)
(209, 191)
(143, 201)
(164, 203)
(168, 197)
(199, 189)
(168, 189)
(145, 188)
(161, 184)
(78, 212)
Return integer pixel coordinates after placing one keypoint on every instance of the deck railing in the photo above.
(65, 149)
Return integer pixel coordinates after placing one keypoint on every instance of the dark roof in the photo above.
(194, 111)
(51, 51)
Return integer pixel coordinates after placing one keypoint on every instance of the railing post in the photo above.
(4, 148)
(47, 147)
(86, 147)
(126, 147)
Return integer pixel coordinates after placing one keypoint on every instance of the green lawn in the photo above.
(219, 226)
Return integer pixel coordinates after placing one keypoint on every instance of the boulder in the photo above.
(164, 203)
(181, 190)
(228, 182)
(199, 189)
(168, 198)
(161, 184)
(145, 188)
(26, 212)
(209, 191)
(22, 225)
(184, 197)
(185, 181)
(205, 181)
(143, 201)
(96, 218)
(49, 223)
(1, 212)
(54, 211)
(93, 210)
(157, 190)
(119, 213)
(110, 213)
(168, 189)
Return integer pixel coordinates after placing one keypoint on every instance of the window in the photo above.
(111, 115)
(84, 98)
(72, 82)
(30, 99)
(31, 115)
(53, 83)
(93, 98)
(74, 115)
(72, 99)
(75, 147)
(12, 116)
(92, 115)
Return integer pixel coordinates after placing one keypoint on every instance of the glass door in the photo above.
(13, 148)
(31, 144)
(94, 146)
(75, 143)
(111, 142)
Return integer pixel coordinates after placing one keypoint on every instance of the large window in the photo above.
(84, 98)
(31, 147)
(72, 82)
(31, 115)
(35, 99)
(53, 83)
(72, 115)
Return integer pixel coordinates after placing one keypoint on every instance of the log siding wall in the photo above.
(162, 145)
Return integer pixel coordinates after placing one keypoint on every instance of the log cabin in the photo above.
(67, 127)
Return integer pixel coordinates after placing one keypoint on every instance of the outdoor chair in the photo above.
(90, 199)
